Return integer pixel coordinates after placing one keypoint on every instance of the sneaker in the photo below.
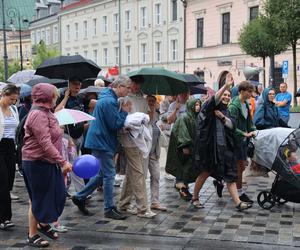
(131, 210)
(245, 198)
(81, 205)
(7, 224)
(148, 214)
(219, 187)
(114, 214)
(14, 197)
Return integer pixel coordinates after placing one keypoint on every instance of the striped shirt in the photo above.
(10, 126)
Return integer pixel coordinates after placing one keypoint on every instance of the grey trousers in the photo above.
(151, 163)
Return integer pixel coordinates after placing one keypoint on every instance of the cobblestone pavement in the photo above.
(214, 227)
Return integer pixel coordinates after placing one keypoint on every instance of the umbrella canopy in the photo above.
(192, 79)
(2, 85)
(91, 89)
(160, 81)
(22, 76)
(59, 83)
(66, 67)
(197, 89)
(71, 116)
(298, 93)
(25, 90)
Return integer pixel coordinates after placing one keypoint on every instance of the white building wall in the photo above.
(166, 31)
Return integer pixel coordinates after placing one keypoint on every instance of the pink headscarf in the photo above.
(42, 95)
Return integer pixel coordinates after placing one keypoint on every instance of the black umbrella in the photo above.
(197, 89)
(59, 83)
(298, 93)
(67, 67)
(192, 79)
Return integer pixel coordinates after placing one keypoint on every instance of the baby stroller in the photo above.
(277, 150)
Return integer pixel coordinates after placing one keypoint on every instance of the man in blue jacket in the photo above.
(102, 140)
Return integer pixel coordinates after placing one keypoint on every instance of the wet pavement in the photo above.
(217, 226)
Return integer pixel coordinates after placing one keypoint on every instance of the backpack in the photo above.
(20, 133)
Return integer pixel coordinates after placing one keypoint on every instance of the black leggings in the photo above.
(7, 176)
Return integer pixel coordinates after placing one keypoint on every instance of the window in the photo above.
(143, 17)
(38, 36)
(16, 51)
(226, 28)
(76, 31)
(47, 40)
(95, 26)
(127, 18)
(158, 51)
(128, 54)
(116, 22)
(116, 50)
(174, 52)
(253, 11)
(157, 13)
(199, 32)
(68, 32)
(95, 55)
(105, 56)
(85, 31)
(55, 34)
(174, 10)
(33, 38)
(104, 19)
(43, 35)
(144, 52)
(85, 53)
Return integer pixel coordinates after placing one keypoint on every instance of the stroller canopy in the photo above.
(266, 145)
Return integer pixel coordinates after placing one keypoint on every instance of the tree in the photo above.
(285, 16)
(258, 40)
(43, 53)
(13, 67)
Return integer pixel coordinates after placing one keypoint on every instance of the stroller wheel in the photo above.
(281, 201)
(266, 200)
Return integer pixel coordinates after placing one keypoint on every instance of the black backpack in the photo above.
(20, 133)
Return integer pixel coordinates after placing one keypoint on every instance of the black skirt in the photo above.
(47, 192)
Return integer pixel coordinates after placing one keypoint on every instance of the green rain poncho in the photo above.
(182, 136)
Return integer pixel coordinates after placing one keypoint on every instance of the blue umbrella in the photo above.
(25, 90)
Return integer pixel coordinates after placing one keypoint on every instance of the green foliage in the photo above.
(43, 53)
(13, 67)
(295, 109)
(285, 16)
(258, 40)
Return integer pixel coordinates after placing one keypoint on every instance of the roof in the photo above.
(24, 7)
(76, 5)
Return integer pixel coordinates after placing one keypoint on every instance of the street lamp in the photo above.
(184, 2)
(15, 14)
(4, 43)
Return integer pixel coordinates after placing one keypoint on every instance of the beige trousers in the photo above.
(134, 184)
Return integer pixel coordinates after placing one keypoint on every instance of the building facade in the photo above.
(149, 33)
(213, 28)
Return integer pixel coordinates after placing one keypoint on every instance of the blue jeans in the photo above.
(105, 177)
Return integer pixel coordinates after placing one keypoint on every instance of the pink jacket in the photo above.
(43, 136)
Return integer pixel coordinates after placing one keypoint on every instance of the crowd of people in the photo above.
(202, 137)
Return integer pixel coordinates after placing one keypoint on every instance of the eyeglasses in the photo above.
(271, 94)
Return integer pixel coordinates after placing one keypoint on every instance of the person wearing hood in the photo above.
(267, 113)
(43, 165)
(214, 146)
(181, 147)
(9, 120)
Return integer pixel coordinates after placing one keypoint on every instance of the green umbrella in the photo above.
(160, 81)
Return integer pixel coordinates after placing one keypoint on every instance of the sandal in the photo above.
(196, 203)
(243, 206)
(48, 231)
(37, 241)
(185, 194)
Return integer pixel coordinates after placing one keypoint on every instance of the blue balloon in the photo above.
(86, 166)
